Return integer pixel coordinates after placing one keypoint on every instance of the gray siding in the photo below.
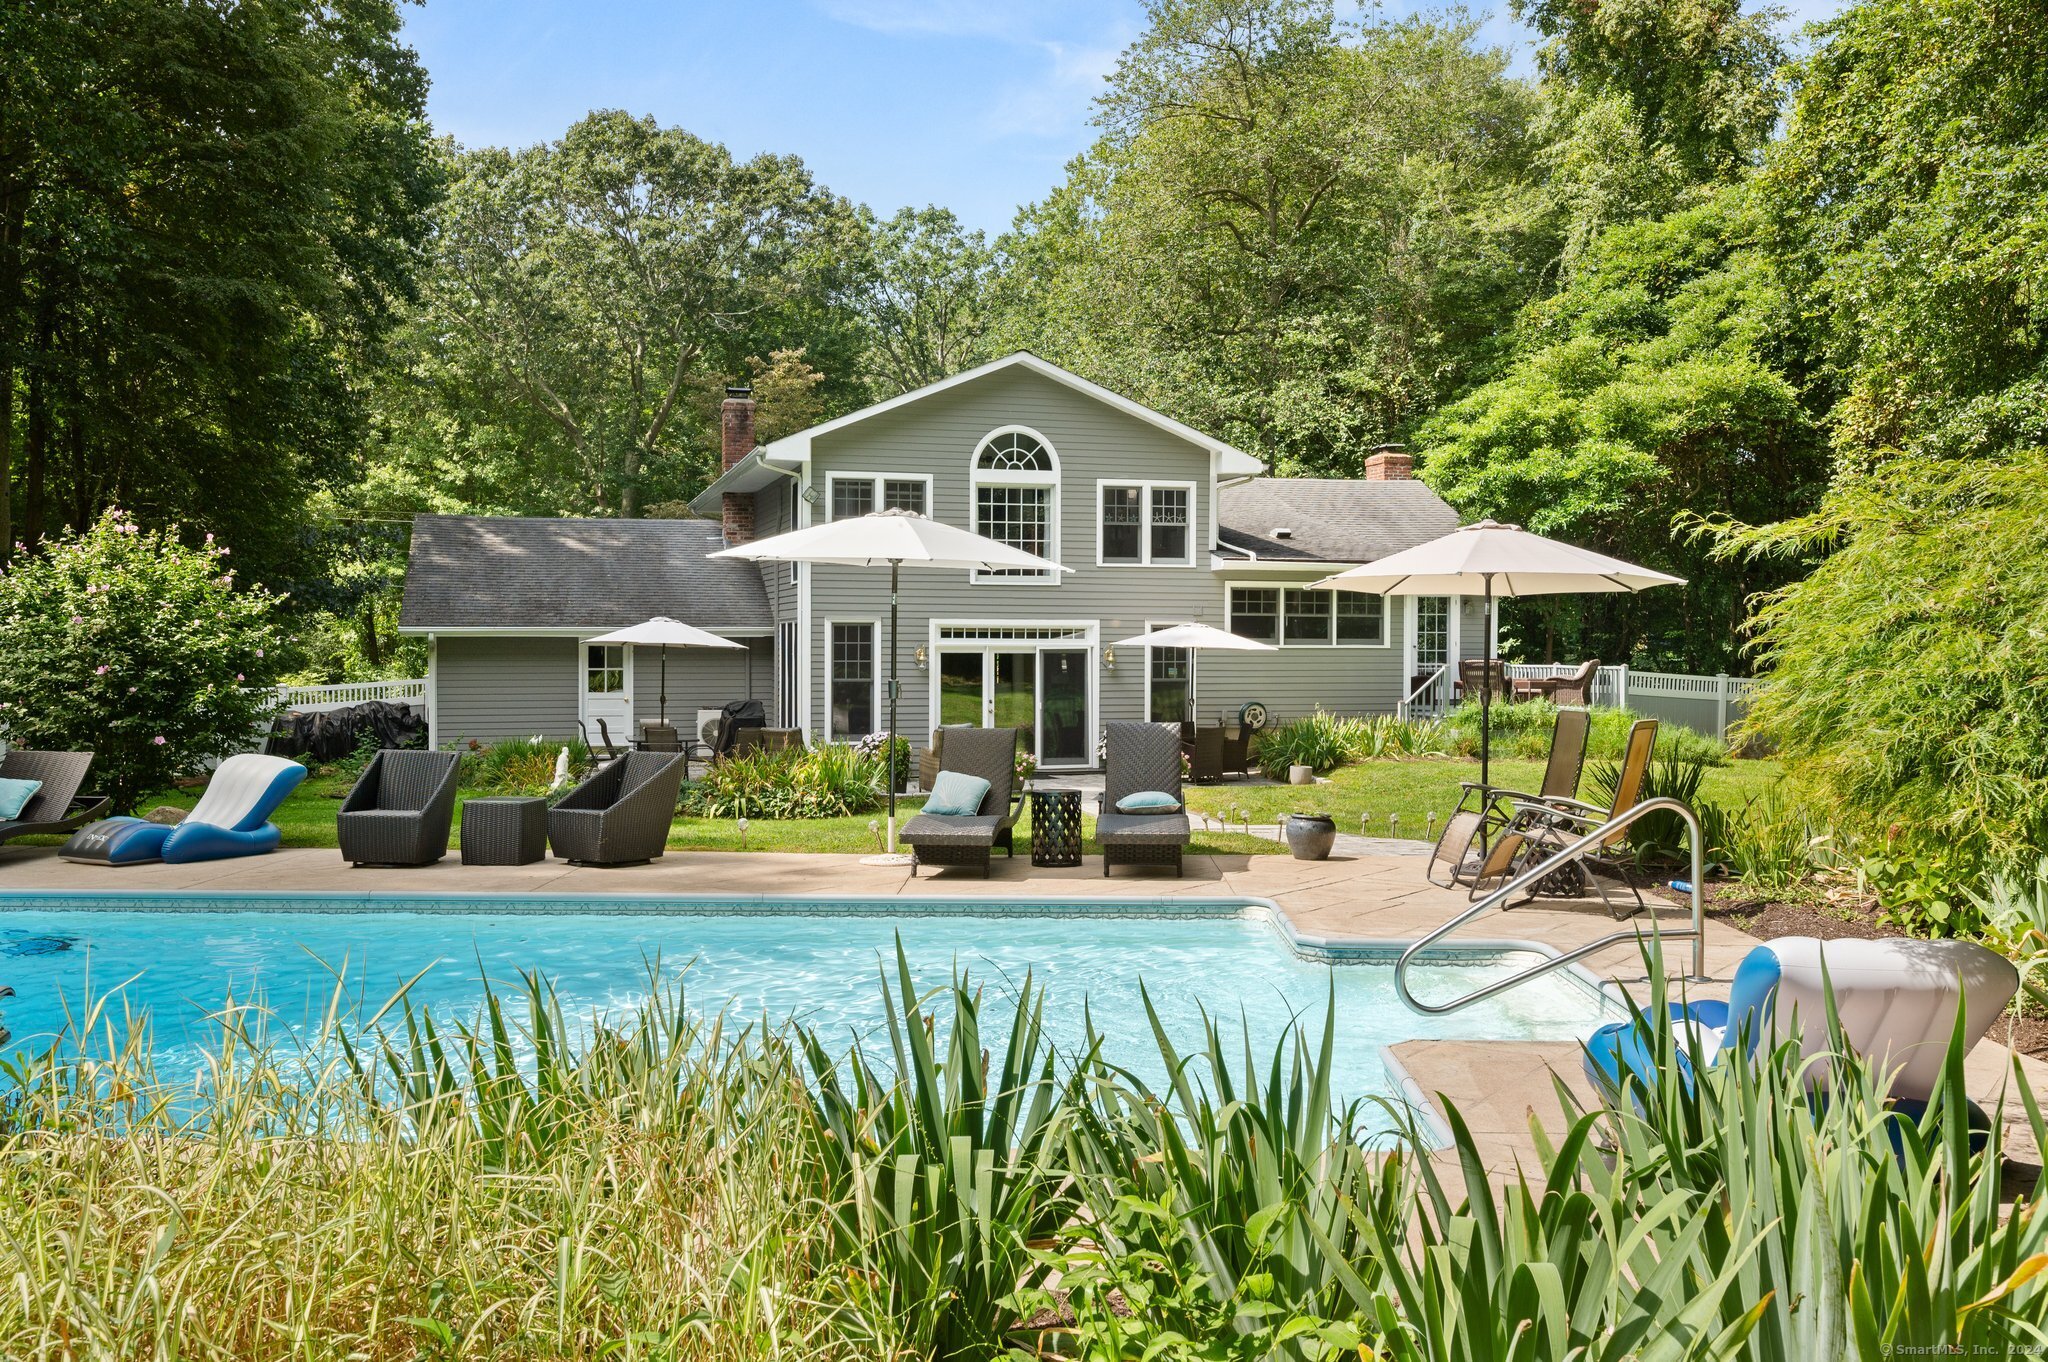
(700, 678)
(493, 688)
(938, 436)
(515, 687)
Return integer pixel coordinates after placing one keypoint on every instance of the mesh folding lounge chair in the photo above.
(1539, 830)
(621, 814)
(971, 839)
(1482, 812)
(1141, 757)
(400, 809)
(1897, 1000)
(231, 819)
(57, 807)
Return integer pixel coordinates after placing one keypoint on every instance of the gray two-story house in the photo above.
(1159, 524)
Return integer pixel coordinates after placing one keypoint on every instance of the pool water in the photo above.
(802, 961)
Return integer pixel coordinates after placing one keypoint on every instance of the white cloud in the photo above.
(1060, 99)
(948, 18)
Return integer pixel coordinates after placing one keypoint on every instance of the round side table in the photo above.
(1055, 825)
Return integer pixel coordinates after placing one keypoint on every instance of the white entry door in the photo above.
(608, 691)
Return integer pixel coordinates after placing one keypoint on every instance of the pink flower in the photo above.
(209, 539)
(238, 676)
(100, 670)
(78, 619)
(131, 690)
(259, 652)
(158, 740)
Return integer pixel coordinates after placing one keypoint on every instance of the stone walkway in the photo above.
(1362, 893)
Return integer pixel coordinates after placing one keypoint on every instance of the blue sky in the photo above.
(972, 104)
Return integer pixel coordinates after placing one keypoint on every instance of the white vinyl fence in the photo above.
(1705, 704)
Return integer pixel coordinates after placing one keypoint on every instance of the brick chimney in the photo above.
(1388, 463)
(736, 434)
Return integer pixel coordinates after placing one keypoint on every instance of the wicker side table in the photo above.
(1055, 825)
(504, 830)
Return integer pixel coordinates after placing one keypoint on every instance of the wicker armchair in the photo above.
(400, 809)
(58, 807)
(1205, 756)
(1237, 751)
(621, 814)
(1577, 689)
(970, 840)
(1142, 757)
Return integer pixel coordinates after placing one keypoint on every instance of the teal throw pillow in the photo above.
(1148, 801)
(955, 794)
(15, 795)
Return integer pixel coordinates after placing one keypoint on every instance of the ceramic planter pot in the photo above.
(1301, 775)
(1311, 835)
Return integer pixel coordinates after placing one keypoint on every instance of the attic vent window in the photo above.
(1282, 532)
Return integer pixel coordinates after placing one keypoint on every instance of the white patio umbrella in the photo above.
(899, 538)
(1492, 559)
(1198, 637)
(665, 633)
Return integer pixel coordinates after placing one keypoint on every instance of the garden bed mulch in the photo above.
(1838, 915)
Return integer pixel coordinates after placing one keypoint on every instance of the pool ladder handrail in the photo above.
(1697, 933)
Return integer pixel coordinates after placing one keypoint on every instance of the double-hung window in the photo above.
(1295, 616)
(854, 494)
(852, 680)
(1016, 482)
(1146, 523)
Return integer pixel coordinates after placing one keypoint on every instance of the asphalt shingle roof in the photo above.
(489, 572)
(1331, 520)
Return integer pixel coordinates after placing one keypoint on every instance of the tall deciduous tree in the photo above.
(207, 214)
(579, 289)
(1293, 231)
(922, 295)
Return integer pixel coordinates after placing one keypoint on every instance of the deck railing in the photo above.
(410, 691)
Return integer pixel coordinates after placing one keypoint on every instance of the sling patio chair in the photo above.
(620, 814)
(1142, 771)
(1540, 829)
(1482, 812)
(57, 807)
(967, 833)
(400, 809)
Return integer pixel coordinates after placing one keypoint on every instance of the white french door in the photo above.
(607, 691)
(1045, 690)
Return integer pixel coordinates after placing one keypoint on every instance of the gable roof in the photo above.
(792, 450)
(560, 576)
(1330, 520)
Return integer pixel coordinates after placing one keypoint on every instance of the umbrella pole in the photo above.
(894, 568)
(664, 685)
(1486, 699)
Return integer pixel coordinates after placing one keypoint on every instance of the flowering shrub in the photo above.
(135, 647)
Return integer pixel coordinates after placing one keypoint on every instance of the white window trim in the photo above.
(977, 479)
(875, 481)
(825, 676)
(1280, 622)
(1194, 663)
(1146, 488)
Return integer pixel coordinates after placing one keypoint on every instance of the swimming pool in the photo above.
(180, 956)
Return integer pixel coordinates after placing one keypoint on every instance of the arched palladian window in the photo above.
(1016, 481)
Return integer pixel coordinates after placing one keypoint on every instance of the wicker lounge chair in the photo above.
(400, 809)
(970, 840)
(1141, 757)
(58, 807)
(1541, 828)
(621, 814)
(1482, 813)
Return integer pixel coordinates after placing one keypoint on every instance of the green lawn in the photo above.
(1415, 789)
(1411, 789)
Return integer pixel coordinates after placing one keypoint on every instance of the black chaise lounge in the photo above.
(1140, 758)
(621, 814)
(400, 809)
(970, 839)
(58, 807)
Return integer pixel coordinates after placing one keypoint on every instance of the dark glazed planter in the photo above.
(1311, 835)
